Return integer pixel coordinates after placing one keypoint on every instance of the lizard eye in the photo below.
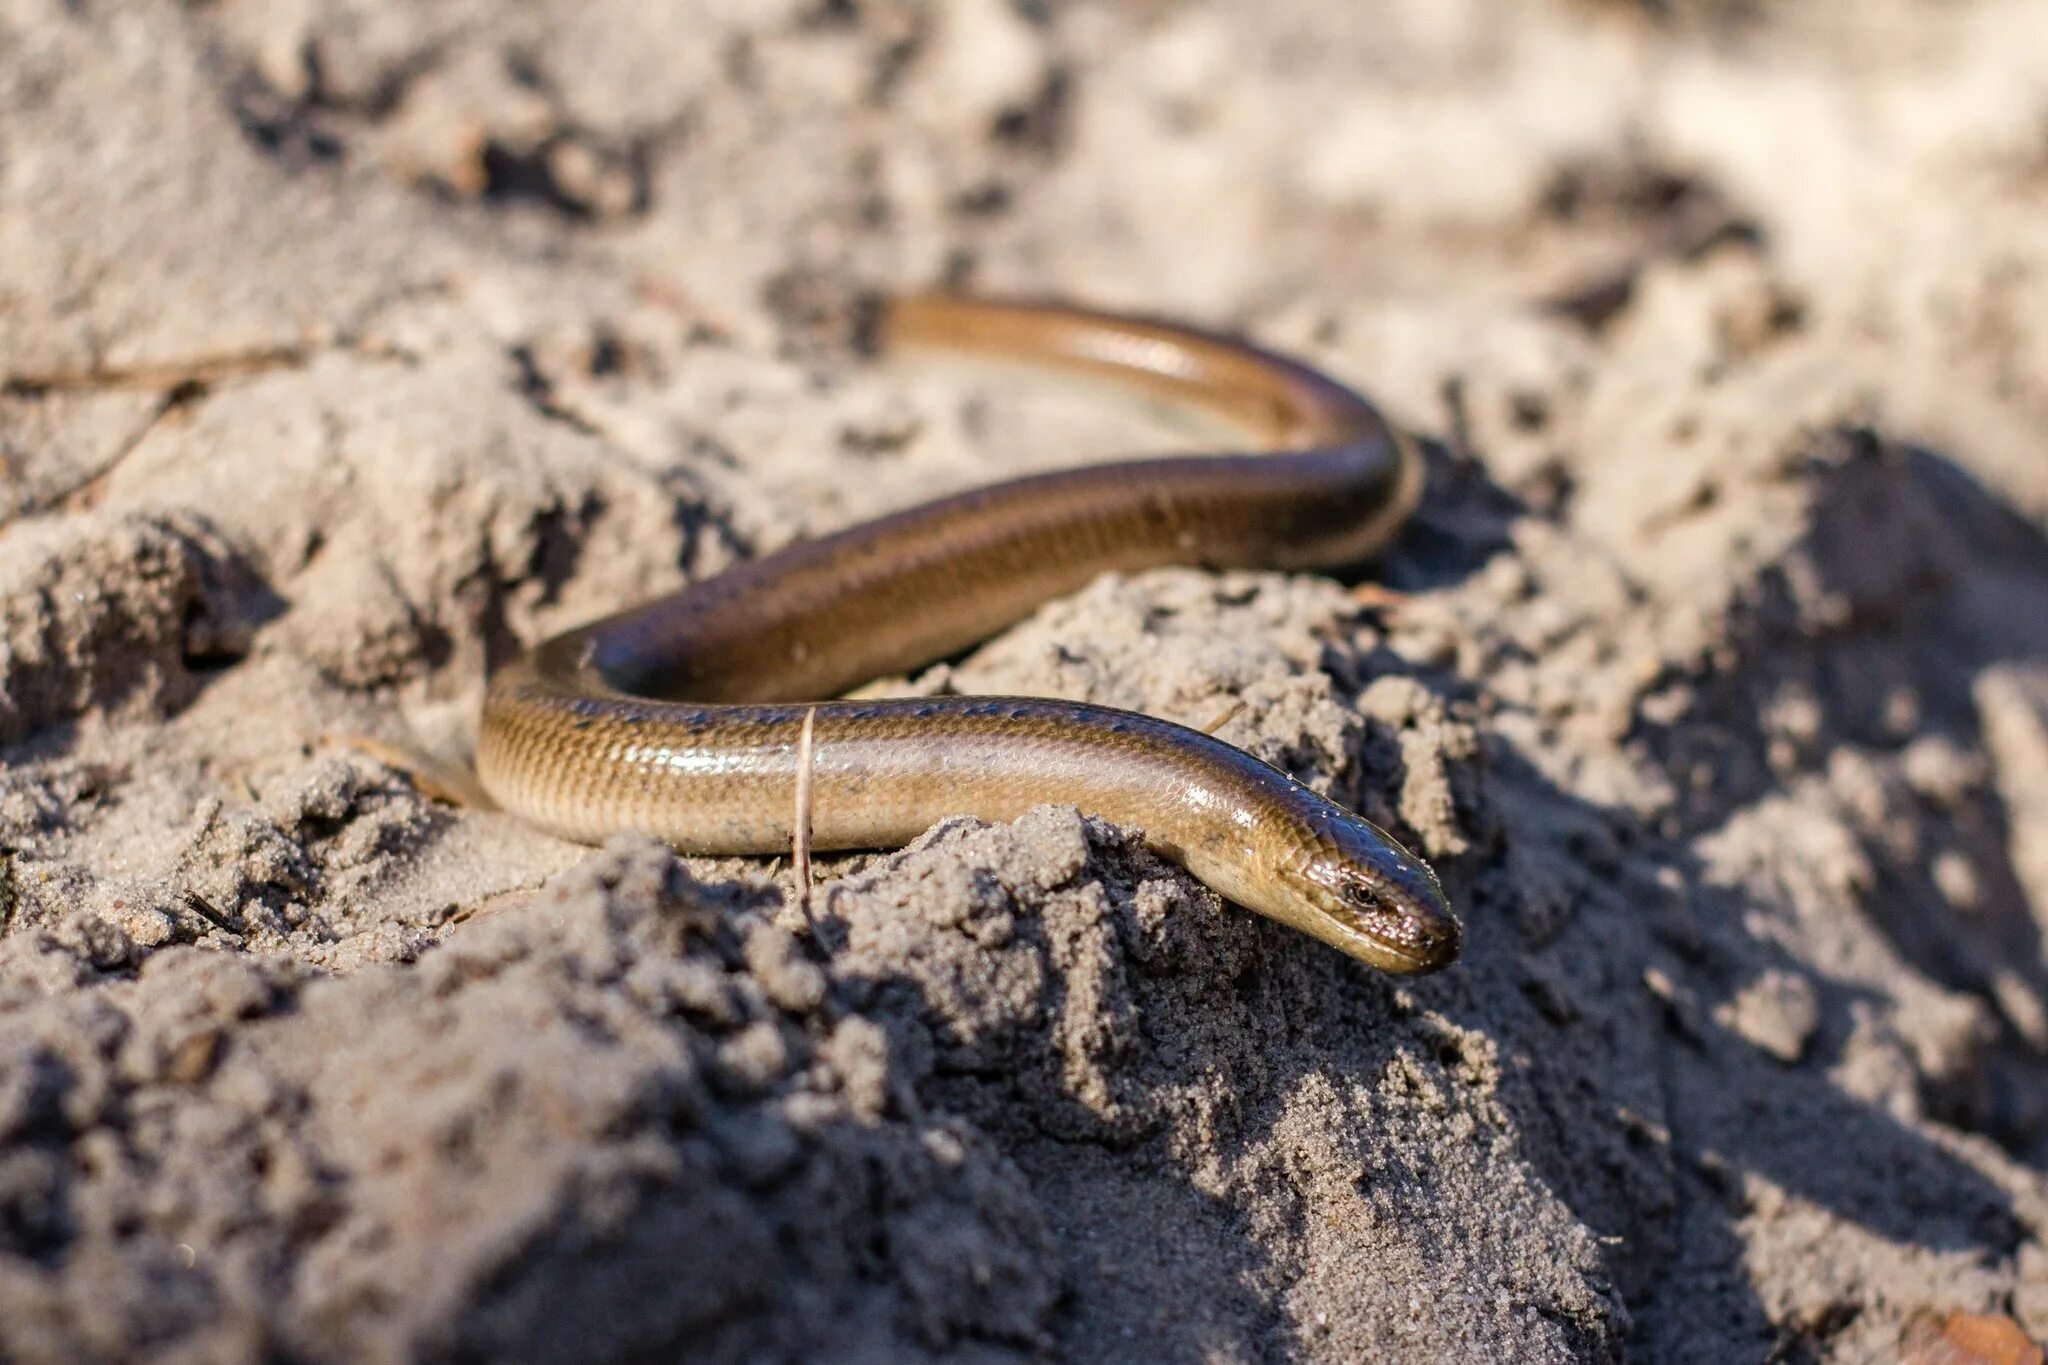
(1361, 896)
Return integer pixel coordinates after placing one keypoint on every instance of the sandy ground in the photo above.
(345, 347)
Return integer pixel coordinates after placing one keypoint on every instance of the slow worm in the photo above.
(681, 718)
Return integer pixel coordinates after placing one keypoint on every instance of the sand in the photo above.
(346, 348)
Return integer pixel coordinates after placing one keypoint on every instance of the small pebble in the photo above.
(1778, 1014)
